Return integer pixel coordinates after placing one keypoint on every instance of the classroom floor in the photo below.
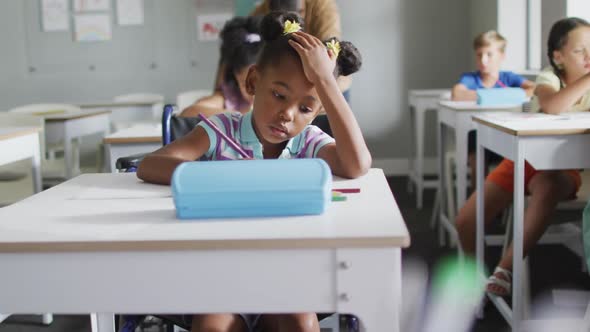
(553, 267)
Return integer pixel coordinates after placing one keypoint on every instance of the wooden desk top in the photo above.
(117, 212)
(429, 92)
(136, 134)
(115, 104)
(12, 132)
(55, 117)
(471, 106)
(537, 124)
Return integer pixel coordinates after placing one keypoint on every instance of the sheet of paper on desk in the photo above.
(66, 229)
(515, 116)
(144, 191)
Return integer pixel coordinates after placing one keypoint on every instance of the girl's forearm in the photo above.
(351, 148)
(567, 97)
(158, 169)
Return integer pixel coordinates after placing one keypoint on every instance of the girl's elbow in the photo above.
(550, 109)
(141, 173)
(360, 168)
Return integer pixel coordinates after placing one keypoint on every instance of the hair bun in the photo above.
(273, 24)
(349, 60)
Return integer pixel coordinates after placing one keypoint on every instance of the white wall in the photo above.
(417, 44)
(512, 24)
(406, 44)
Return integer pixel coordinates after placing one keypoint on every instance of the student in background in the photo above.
(489, 50)
(293, 80)
(322, 18)
(564, 87)
(240, 45)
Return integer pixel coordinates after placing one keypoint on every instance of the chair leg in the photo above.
(331, 323)
(507, 220)
(435, 210)
(450, 186)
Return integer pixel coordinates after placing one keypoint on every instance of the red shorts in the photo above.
(503, 176)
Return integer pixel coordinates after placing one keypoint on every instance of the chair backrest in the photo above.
(41, 109)
(174, 126)
(140, 98)
(187, 98)
(144, 97)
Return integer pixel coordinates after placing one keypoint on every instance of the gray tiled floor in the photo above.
(551, 266)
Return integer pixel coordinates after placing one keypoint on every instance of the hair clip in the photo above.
(333, 46)
(291, 27)
(252, 38)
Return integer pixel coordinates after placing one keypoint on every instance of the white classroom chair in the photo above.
(125, 117)
(187, 98)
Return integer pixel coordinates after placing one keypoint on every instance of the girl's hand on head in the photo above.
(318, 62)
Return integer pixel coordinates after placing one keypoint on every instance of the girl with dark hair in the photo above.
(564, 87)
(241, 43)
(293, 80)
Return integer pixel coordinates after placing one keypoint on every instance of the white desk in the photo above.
(137, 139)
(93, 237)
(21, 143)
(67, 126)
(127, 112)
(458, 115)
(421, 101)
(546, 142)
(18, 143)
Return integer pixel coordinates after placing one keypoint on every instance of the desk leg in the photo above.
(517, 264)
(102, 322)
(419, 164)
(77, 143)
(36, 166)
(441, 144)
(369, 287)
(412, 157)
(461, 133)
(68, 161)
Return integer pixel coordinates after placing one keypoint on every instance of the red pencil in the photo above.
(348, 190)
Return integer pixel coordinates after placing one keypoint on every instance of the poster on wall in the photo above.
(209, 25)
(91, 28)
(55, 15)
(91, 5)
(130, 12)
(245, 7)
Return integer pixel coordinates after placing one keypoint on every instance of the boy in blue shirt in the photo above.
(489, 50)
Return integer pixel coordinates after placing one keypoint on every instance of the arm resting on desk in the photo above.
(158, 166)
(554, 102)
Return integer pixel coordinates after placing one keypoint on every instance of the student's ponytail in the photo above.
(276, 45)
(349, 60)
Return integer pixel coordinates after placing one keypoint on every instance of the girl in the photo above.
(241, 43)
(564, 87)
(293, 80)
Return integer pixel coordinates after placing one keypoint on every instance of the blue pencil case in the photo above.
(501, 96)
(251, 188)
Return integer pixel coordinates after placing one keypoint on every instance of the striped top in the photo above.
(239, 128)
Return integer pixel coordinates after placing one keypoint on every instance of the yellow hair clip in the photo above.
(334, 46)
(291, 27)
